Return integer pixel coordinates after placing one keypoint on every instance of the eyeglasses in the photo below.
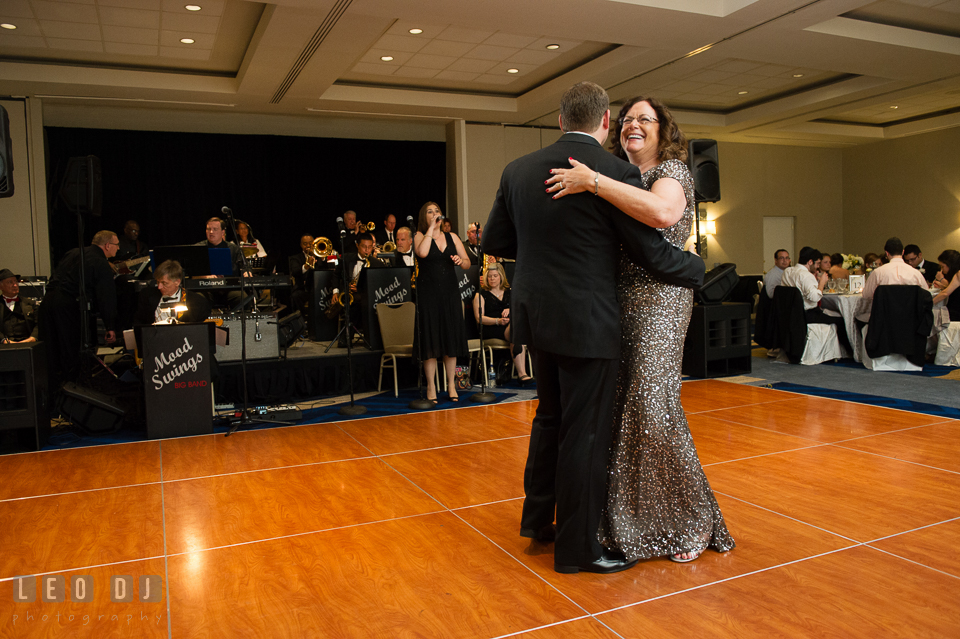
(644, 120)
(114, 243)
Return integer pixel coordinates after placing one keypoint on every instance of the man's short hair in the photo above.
(365, 236)
(223, 225)
(170, 269)
(404, 229)
(894, 246)
(911, 249)
(102, 237)
(779, 251)
(582, 107)
(353, 213)
(808, 254)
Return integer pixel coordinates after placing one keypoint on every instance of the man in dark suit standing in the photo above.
(565, 309)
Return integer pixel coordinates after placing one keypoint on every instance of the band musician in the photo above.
(168, 302)
(18, 317)
(355, 263)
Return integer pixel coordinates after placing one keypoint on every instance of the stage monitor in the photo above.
(718, 284)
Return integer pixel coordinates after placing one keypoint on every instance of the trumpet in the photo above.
(365, 228)
(387, 247)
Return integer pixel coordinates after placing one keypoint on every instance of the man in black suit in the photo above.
(18, 317)
(300, 267)
(355, 263)
(387, 232)
(564, 308)
(403, 256)
(913, 256)
(163, 304)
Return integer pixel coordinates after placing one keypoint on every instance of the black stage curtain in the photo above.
(284, 187)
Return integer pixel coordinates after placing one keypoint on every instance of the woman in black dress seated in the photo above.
(441, 332)
(950, 270)
(491, 307)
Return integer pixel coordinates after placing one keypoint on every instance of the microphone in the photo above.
(226, 211)
(341, 226)
(410, 221)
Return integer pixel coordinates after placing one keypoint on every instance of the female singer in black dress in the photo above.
(491, 307)
(441, 332)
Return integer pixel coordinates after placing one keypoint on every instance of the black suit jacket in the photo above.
(198, 307)
(564, 292)
(20, 323)
(380, 235)
(350, 261)
(929, 271)
(301, 281)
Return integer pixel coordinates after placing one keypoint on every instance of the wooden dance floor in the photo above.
(846, 517)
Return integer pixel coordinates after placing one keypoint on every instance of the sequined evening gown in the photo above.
(659, 501)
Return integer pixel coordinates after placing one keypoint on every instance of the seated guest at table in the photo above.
(404, 253)
(870, 262)
(387, 232)
(168, 302)
(896, 272)
(491, 307)
(771, 280)
(247, 240)
(950, 281)
(802, 277)
(832, 265)
(18, 317)
(914, 257)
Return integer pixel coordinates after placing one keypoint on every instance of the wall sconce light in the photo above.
(711, 227)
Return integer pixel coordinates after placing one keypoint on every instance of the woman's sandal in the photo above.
(680, 560)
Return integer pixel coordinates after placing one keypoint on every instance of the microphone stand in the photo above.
(483, 397)
(245, 418)
(352, 409)
(422, 403)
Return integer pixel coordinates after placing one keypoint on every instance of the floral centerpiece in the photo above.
(852, 262)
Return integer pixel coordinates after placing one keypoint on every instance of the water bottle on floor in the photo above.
(491, 377)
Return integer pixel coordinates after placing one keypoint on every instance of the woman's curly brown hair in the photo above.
(672, 144)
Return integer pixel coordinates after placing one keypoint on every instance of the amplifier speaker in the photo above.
(704, 165)
(262, 338)
(6, 156)
(81, 188)
(23, 389)
(92, 411)
(718, 284)
(291, 327)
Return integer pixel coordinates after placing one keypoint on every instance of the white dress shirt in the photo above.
(772, 280)
(799, 277)
(895, 272)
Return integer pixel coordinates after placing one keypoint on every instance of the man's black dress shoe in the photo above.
(546, 534)
(608, 562)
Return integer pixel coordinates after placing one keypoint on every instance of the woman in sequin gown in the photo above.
(659, 501)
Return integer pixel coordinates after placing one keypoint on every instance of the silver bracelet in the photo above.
(596, 183)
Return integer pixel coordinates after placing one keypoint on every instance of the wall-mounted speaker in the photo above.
(704, 165)
(81, 188)
(6, 156)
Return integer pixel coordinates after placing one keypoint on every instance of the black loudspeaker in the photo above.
(718, 284)
(6, 156)
(291, 327)
(23, 389)
(81, 187)
(705, 169)
(92, 411)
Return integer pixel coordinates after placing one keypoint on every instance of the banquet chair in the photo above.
(948, 346)
(396, 331)
(895, 338)
(800, 342)
(765, 325)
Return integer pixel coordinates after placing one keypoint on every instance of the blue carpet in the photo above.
(382, 405)
(947, 412)
(929, 370)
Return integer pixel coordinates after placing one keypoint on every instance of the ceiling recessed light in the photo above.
(798, 75)
(894, 107)
(7, 25)
(743, 93)
(416, 31)
(513, 70)
(553, 46)
(193, 7)
(386, 58)
(187, 40)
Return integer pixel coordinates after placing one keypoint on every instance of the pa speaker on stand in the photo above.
(81, 188)
(6, 156)
(704, 165)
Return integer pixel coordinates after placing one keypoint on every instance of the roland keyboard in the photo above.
(233, 283)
